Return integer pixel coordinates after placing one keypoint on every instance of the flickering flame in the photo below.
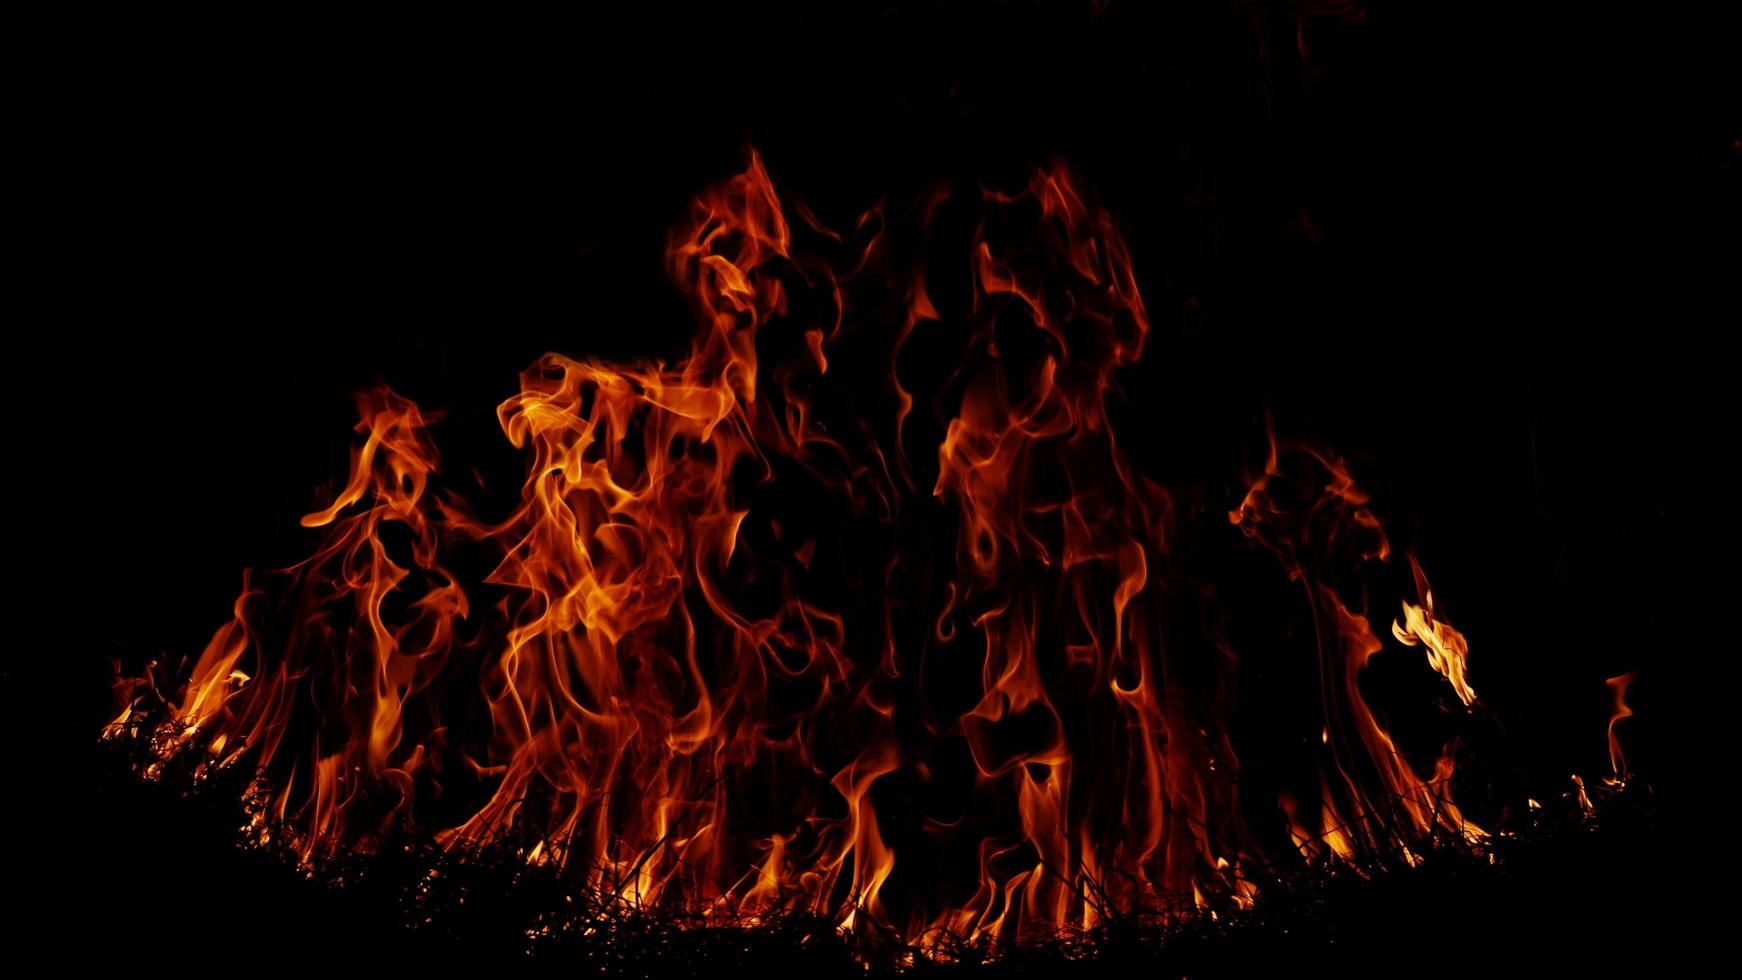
(1584, 799)
(1618, 760)
(1445, 646)
(693, 691)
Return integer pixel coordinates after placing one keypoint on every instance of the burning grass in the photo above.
(855, 629)
(1581, 870)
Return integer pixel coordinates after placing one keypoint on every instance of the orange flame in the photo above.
(1373, 802)
(675, 710)
(1445, 646)
(1617, 759)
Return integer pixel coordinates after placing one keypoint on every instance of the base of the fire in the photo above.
(1575, 879)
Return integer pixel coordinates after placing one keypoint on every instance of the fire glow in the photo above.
(940, 674)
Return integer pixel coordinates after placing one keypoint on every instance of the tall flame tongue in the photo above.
(1617, 759)
(728, 660)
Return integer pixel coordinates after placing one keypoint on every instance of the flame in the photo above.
(1313, 518)
(1617, 759)
(1444, 645)
(747, 649)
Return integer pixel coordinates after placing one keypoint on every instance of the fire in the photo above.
(764, 634)
(1445, 646)
(1617, 759)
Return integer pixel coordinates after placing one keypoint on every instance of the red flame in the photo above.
(657, 692)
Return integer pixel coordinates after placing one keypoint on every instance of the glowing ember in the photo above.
(753, 642)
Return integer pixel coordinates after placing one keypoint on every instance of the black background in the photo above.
(1484, 250)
